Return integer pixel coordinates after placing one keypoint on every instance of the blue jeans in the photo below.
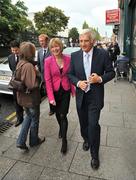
(31, 121)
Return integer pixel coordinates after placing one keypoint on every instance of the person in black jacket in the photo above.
(113, 50)
(13, 60)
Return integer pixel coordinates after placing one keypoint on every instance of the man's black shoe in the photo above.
(95, 163)
(18, 123)
(51, 113)
(85, 146)
(40, 141)
(23, 147)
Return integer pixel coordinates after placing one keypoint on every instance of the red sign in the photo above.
(113, 16)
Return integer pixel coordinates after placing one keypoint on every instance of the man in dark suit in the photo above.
(43, 53)
(90, 69)
(13, 60)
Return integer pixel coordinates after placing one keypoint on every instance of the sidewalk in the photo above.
(117, 151)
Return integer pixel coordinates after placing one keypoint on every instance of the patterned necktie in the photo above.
(87, 69)
(44, 54)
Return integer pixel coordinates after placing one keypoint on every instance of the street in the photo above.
(7, 110)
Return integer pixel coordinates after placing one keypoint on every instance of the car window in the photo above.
(6, 61)
(70, 50)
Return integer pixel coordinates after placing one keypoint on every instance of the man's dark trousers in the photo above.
(89, 122)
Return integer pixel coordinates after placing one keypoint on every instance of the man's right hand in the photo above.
(83, 85)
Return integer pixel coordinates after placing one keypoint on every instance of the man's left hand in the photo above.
(94, 78)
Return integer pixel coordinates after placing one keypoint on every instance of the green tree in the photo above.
(51, 21)
(13, 20)
(73, 34)
(98, 36)
(85, 25)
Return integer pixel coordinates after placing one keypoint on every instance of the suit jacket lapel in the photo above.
(47, 53)
(41, 54)
(81, 64)
(94, 61)
(54, 64)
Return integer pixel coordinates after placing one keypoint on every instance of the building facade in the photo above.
(127, 31)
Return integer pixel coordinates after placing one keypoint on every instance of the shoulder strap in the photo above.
(21, 66)
(18, 69)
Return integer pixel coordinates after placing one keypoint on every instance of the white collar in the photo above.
(45, 49)
(90, 52)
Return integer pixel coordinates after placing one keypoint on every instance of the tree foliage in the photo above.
(98, 36)
(73, 34)
(85, 25)
(51, 21)
(13, 20)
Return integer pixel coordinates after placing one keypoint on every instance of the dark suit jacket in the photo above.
(12, 62)
(40, 61)
(101, 65)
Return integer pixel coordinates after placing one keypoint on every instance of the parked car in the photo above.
(69, 50)
(5, 76)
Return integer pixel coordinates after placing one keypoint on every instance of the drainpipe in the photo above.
(127, 20)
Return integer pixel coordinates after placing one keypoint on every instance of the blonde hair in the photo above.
(55, 41)
(27, 51)
(89, 31)
(45, 36)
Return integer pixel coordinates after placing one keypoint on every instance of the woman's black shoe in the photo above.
(51, 113)
(64, 147)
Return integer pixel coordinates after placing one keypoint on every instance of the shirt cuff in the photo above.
(78, 83)
(100, 81)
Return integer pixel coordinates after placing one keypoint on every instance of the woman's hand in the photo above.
(73, 94)
(53, 103)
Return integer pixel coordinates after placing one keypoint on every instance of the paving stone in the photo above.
(53, 174)
(129, 108)
(113, 165)
(5, 165)
(18, 154)
(24, 171)
(5, 143)
(112, 119)
(103, 140)
(130, 120)
(121, 137)
(12, 132)
(73, 115)
(106, 107)
(49, 154)
(50, 128)
(109, 97)
(76, 136)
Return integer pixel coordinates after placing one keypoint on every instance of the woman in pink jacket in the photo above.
(58, 86)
